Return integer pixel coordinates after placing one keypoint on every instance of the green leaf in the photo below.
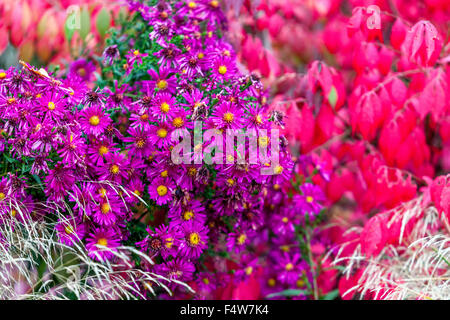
(331, 295)
(287, 293)
(85, 23)
(103, 22)
(71, 25)
(332, 97)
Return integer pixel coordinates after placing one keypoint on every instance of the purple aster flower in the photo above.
(163, 106)
(168, 54)
(160, 135)
(227, 115)
(107, 211)
(238, 241)
(82, 68)
(94, 121)
(114, 169)
(162, 31)
(310, 199)
(177, 269)
(161, 190)
(102, 243)
(73, 148)
(140, 143)
(194, 239)
(289, 267)
(223, 68)
(110, 54)
(193, 210)
(165, 81)
(99, 148)
(70, 230)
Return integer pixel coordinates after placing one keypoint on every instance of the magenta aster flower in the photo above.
(227, 115)
(82, 68)
(289, 267)
(177, 269)
(165, 81)
(102, 243)
(193, 210)
(94, 121)
(223, 68)
(99, 148)
(163, 106)
(161, 190)
(107, 211)
(160, 135)
(311, 199)
(194, 239)
(70, 231)
(140, 142)
(114, 169)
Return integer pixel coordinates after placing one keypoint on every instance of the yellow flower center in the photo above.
(188, 215)
(137, 192)
(241, 239)
(300, 283)
(144, 117)
(289, 266)
(103, 150)
(201, 55)
(136, 52)
(285, 220)
(68, 229)
(271, 282)
(140, 143)
(102, 242)
(285, 248)
(114, 169)
(227, 53)
(51, 105)
(222, 69)
(169, 243)
(82, 72)
(178, 122)
(94, 120)
(102, 192)
(162, 133)
(278, 169)
(162, 84)
(214, 3)
(276, 186)
(165, 107)
(192, 5)
(192, 172)
(230, 182)
(248, 270)
(164, 174)
(194, 238)
(263, 141)
(13, 212)
(205, 280)
(258, 119)
(2, 75)
(162, 190)
(309, 199)
(105, 208)
(2, 196)
(228, 117)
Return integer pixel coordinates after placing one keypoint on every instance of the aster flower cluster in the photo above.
(104, 156)
(179, 69)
